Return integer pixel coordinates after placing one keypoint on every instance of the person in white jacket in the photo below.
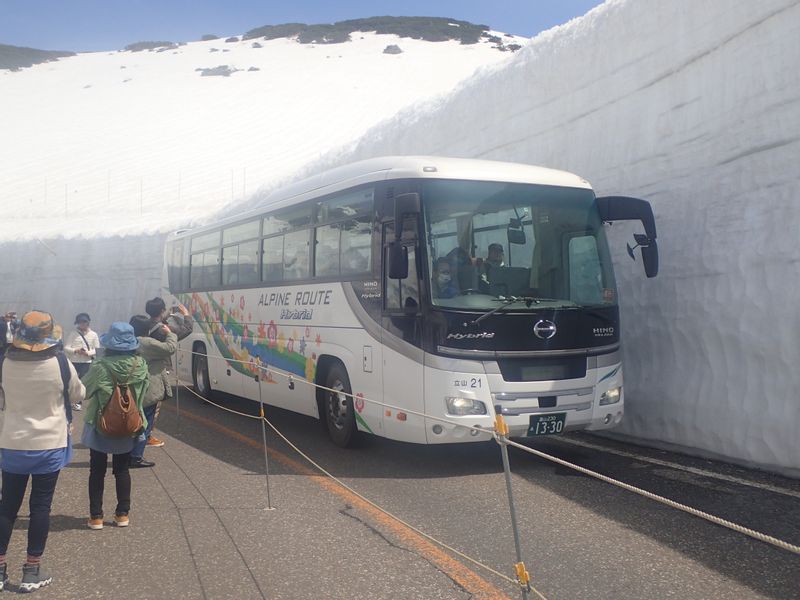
(38, 385)
(81, 347)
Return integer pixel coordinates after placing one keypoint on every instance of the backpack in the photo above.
(63, 367)
(120, 417)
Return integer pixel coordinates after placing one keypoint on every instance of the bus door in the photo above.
(402, 348)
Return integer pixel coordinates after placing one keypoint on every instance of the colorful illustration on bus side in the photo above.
(265, 345)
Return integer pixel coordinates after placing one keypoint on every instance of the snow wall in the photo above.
(694, 106)
(110, 278)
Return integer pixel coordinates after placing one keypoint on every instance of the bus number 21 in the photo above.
(473, 382)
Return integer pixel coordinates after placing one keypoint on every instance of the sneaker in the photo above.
(3, 576)
(95, 522)
(121, 520)
(77, 406)
(154, 442)
(138, 463)
(33, 578)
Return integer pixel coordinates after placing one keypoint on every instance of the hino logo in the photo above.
(603, 331)
(471, 336)
(544, 330)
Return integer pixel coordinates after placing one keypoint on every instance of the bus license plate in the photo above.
(547, 424)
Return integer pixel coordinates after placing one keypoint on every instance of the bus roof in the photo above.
(434, 167)
(408, 167)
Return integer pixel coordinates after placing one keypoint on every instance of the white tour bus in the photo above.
(446, 287)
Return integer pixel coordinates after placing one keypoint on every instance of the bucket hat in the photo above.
(37, 332)
(120, 337)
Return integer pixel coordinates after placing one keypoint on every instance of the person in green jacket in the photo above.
(158, 355)
(121, 363)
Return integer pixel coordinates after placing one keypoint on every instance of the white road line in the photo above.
(672, 465)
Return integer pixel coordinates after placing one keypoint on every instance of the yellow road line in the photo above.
(463, 576)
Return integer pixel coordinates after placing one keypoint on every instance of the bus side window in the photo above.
(272, 251)
(240, 263)
(295, 255)
(326, 251)
(356, 246)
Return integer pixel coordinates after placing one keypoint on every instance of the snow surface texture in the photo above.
(146, 136)
(694, 106)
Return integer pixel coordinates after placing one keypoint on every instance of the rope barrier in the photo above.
(359, 495)
(498, 431)
(671, 503)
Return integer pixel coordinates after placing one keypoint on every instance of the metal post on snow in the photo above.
(264, 437)
(501, 433)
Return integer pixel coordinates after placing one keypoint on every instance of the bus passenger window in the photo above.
(356, 246)
(272, 250)
(240, 264)
(295, 255)
(326, 254)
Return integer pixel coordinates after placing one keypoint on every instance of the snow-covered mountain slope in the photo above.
(148, 139)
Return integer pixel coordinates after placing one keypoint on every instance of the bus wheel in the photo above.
(339, 411)
(200, 378)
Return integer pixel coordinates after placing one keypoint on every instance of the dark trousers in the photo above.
(150, 415)
(41, 499)
(81, 369)
(98, 465)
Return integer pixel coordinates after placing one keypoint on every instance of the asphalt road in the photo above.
(581, 538)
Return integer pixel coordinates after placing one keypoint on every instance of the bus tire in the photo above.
(338, 408)
(200, 378)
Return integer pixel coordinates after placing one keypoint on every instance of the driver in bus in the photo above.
(443, 286)
(495, 256)
(495, 259)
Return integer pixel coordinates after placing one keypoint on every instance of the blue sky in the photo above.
(91, 25)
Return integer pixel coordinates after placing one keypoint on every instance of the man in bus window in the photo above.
(495, 256)
(495, 259)
(443, 286)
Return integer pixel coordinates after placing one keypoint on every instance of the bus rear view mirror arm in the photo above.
(624, 208)
(404, 205)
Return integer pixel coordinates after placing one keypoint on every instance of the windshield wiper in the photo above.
(506, 301)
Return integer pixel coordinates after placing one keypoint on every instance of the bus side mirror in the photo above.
(398, 260)
(624, 208)
(650, 258)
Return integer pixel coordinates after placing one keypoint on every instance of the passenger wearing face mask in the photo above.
(443, 286)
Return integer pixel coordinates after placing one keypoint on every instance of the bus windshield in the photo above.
(488, 242)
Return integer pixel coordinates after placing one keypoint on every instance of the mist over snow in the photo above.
(161, 138)
(694, 106)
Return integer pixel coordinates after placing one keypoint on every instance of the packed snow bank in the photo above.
(110, 278)
(694, 106)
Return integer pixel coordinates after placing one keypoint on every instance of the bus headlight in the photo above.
(464, 406)
(612, 396)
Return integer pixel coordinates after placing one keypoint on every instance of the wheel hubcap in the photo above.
(199, 375)
(337, 406)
